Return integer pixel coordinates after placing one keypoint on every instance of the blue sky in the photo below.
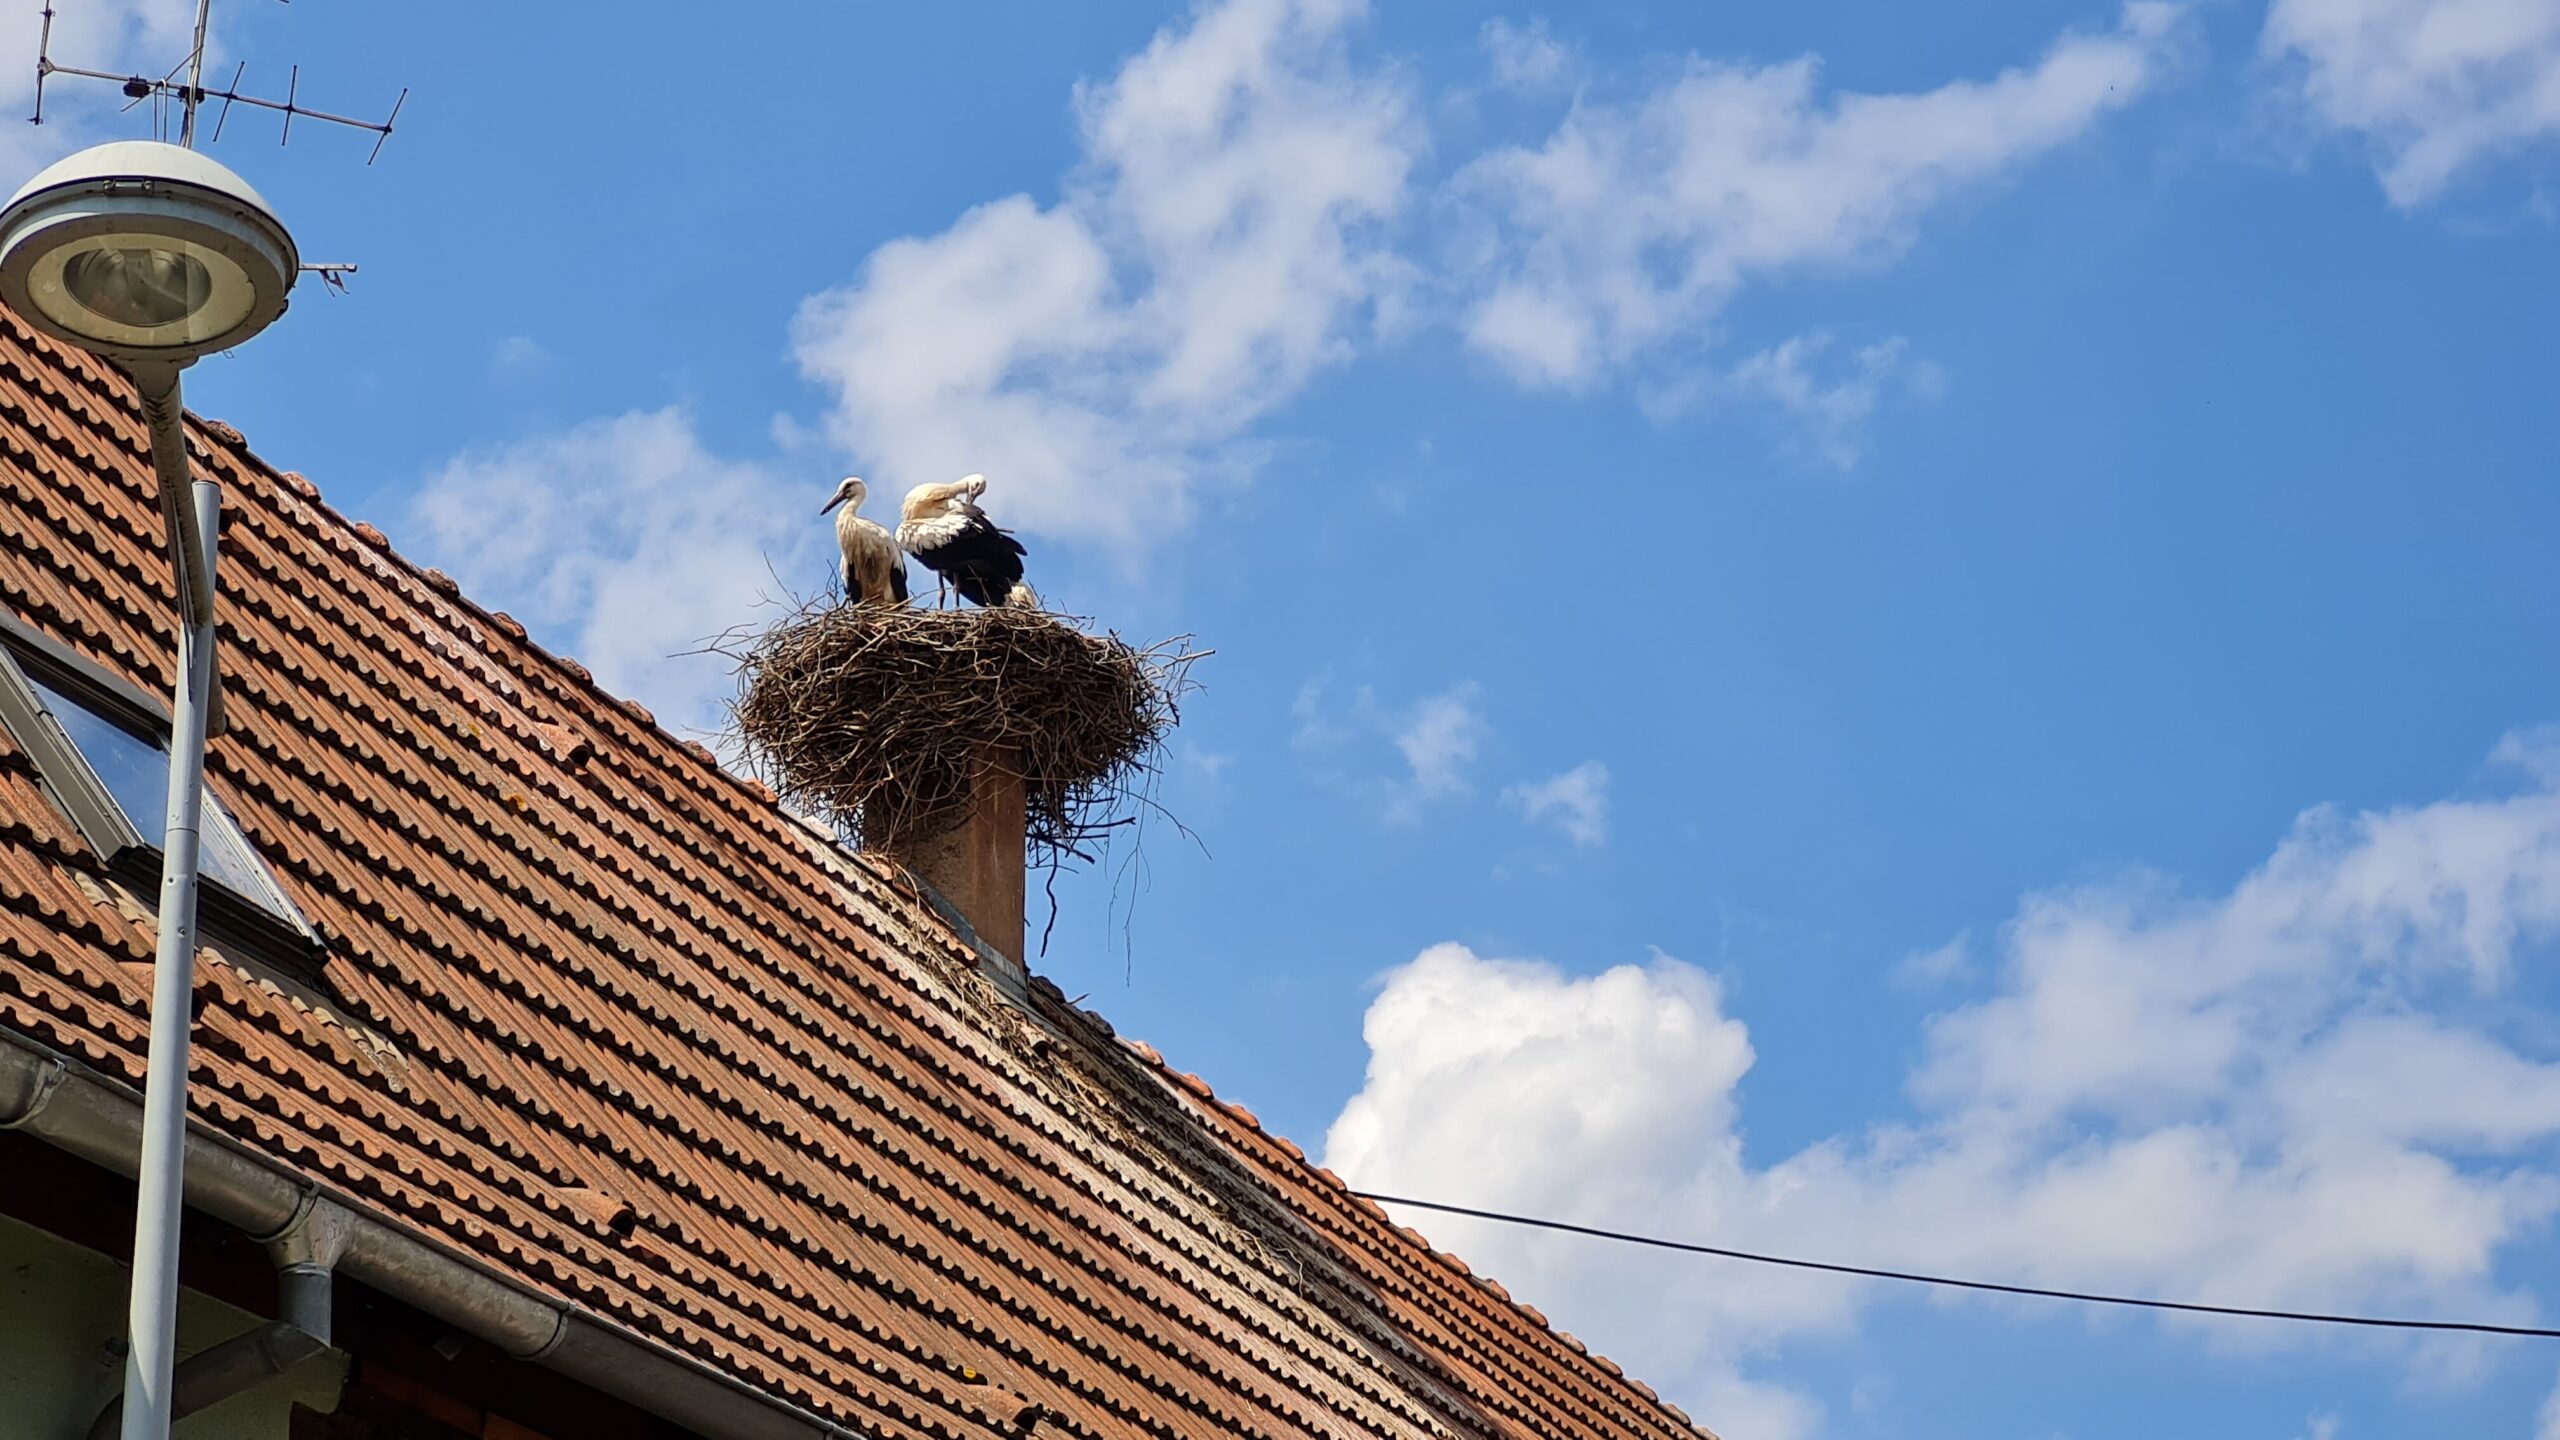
(1910, 636)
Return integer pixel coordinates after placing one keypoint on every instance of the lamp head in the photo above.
(142, 251)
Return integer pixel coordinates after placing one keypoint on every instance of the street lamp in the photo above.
(144, 253)
(150, 255)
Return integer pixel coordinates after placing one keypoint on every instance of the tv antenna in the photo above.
(186, 97)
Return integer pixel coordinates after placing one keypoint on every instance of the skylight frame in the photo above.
(260, 922)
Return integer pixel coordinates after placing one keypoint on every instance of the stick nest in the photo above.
(875, 718)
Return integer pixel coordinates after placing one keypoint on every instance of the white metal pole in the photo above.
(153, 1319)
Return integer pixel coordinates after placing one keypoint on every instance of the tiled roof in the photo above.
(602, 1017)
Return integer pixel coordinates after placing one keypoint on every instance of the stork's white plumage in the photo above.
(875, 571)
(942, 526)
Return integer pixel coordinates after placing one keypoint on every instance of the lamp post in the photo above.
(150, 255)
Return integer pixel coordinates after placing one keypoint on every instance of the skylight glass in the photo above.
(135, 771)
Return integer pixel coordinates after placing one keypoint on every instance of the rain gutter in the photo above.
(68, 1105)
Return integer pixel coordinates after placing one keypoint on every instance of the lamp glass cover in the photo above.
(143, 291)
(141, 286)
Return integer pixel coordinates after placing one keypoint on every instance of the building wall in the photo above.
(62, 1313)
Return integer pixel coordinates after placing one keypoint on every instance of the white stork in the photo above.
(875, 573)
(942, 526)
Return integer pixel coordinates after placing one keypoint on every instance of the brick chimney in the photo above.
(975, 870)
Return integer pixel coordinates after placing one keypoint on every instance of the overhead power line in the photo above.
(2373, 1322)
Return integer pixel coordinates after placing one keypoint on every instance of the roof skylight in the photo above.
(102, 749)
(135, 774)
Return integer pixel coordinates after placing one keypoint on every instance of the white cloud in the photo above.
(1310, 727)
(1526, 58)
(2304, 1092)
(1825, 394)
(1633, 224)
(1207, 766)
(1577, 801)
(516, 357)
(1434, 739)
(624, 542)
(1229, 231)
(2546, 1421)
(1438, 740)
(1944, 965)
(1097, 357)
(2436, 87)
(1746, 1409)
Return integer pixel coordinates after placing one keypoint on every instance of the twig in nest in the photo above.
(879, 718)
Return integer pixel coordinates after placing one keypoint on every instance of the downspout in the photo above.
(89, 1115)
(306, 1253)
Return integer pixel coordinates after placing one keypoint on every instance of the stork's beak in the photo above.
(830, 505)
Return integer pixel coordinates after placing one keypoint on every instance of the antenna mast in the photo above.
(195, 75)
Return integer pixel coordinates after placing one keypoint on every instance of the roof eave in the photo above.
(76, 1109)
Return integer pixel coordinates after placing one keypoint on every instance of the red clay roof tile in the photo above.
(602, 1016)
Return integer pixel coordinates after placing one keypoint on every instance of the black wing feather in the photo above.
(982, 562)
